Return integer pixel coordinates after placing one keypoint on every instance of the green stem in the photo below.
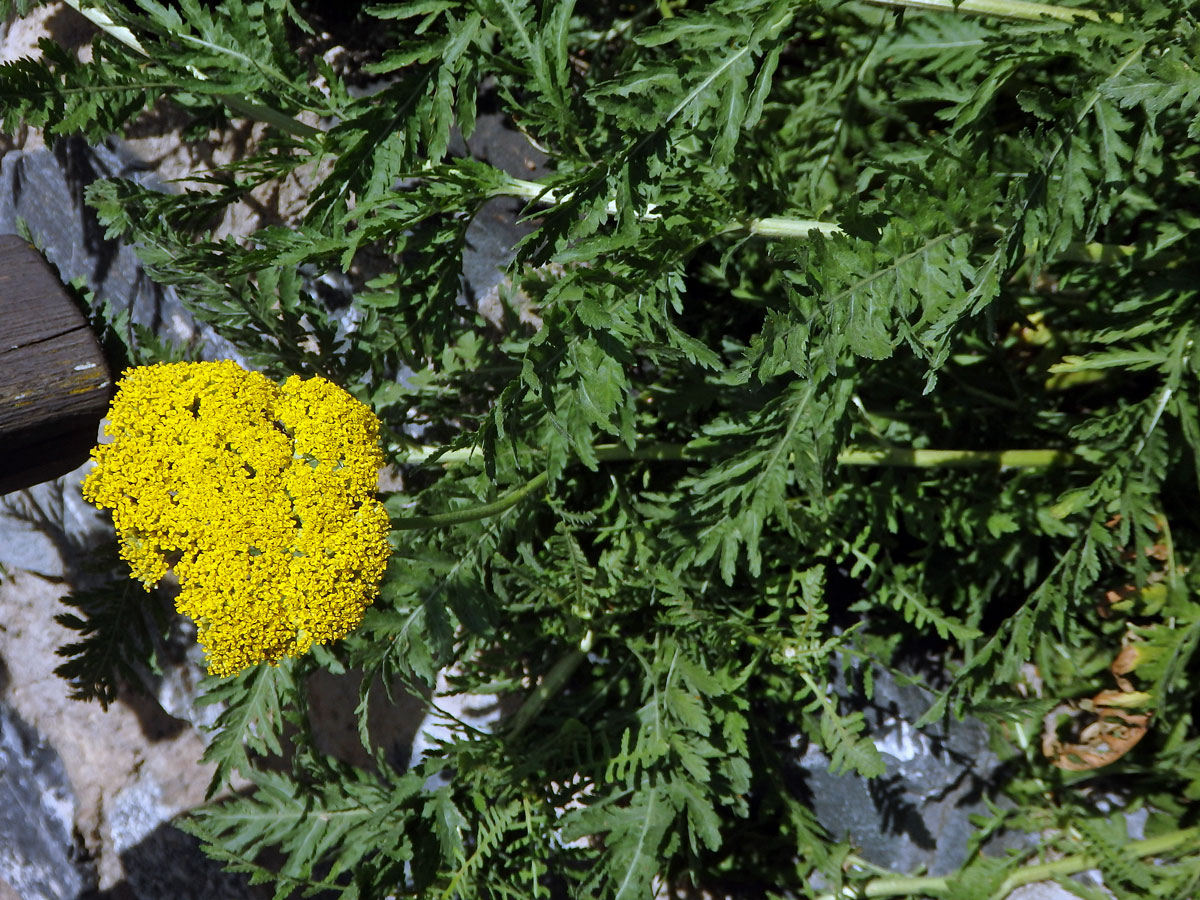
(784, 227)
(474, 513)
(551, 684)
(268, 116)
(604, 453)
(889, 456)
(1005, 459)
(900, 886)
(1097, 252)
(104, 22)
(800, 229)
(1008, 9)
(770, 226)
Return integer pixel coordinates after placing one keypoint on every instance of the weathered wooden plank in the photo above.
(55, 384)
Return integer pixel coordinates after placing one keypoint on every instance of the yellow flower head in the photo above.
(261, 496)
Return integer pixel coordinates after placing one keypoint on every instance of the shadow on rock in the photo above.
(40, 856)
(169, 863)
(916, 816)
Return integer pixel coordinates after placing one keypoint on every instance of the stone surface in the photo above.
(497, 228)
(43, 190)
(39, 858)
(127, 770)
(479, 711)
(916, 816)
(115, 778)
(1042, 890)
(49, 528)
(19, 36)
(391, 724)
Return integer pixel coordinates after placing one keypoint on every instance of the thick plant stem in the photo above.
(790, 227)
(1015, 459)
(889, 456)
(771, 226)
(605, 453)
(1007, 9)
(785, 227)
(1005, 459)
(104, 22)
(268, 116)
(474, 513)
(903, 886)
(550, 685)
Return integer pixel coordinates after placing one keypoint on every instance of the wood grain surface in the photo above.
(55, 384)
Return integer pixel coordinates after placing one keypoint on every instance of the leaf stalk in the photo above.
(903, 886)
(888, 456)
(1007, 9)
(551, 684)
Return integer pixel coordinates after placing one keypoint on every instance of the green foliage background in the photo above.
(702, 485)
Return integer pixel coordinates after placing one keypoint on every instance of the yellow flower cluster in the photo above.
(261, 496)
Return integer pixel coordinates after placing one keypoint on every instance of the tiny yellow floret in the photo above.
(260, 496)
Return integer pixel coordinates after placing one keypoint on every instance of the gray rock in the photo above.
(40, 858)
(496, 229)
(1042, 890)
(168, 863)
(49, 529)
(44, 190)
(481, 712)
(916, 816)
(158, 859)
